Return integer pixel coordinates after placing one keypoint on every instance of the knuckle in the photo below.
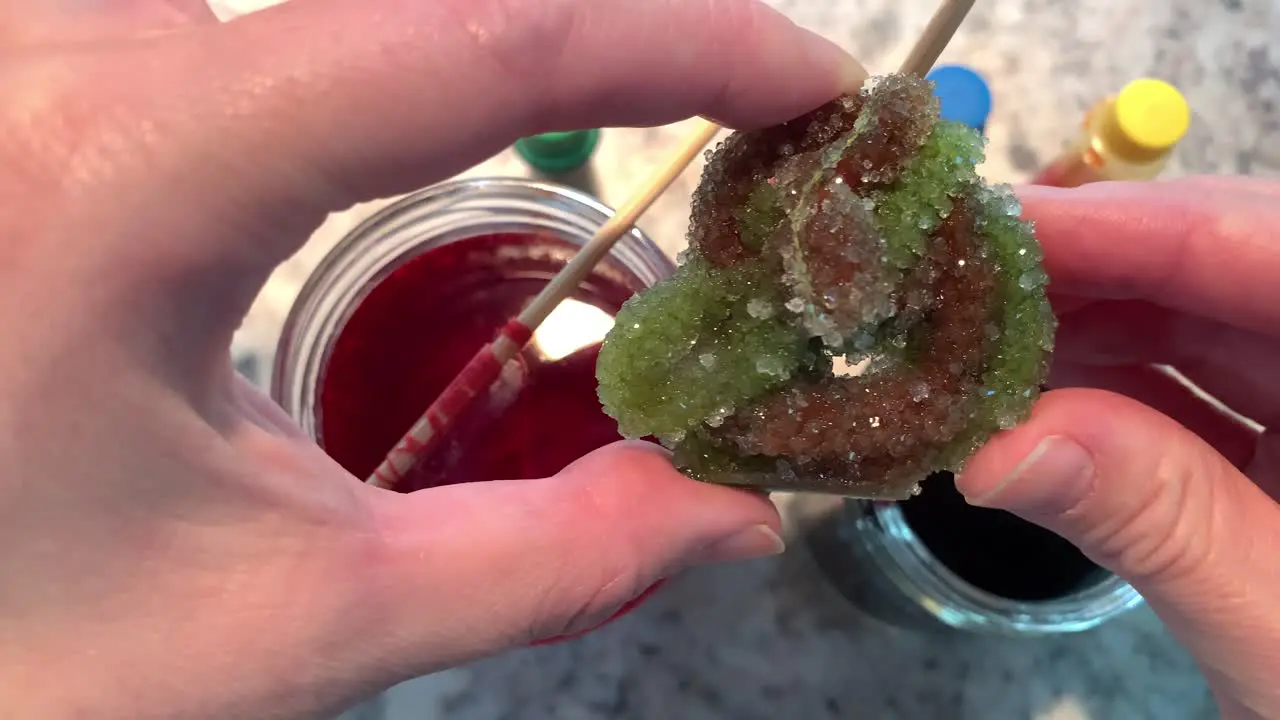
(1165, 530)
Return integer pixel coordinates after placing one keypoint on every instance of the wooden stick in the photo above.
(578, 268)
(936, 35)
(581, 265)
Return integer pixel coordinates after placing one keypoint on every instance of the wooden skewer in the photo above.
(941, 28)
(578, 268)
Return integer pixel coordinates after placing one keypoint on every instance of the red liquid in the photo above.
(420, 325)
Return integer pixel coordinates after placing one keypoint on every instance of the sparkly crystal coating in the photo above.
(856, 310)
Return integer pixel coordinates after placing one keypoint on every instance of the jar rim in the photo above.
(417, 199)
(957, 603)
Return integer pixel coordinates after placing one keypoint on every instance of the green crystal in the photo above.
(695, 347)
(760, 217)
(912, 208)
(708, 359)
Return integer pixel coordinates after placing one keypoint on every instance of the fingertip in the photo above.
(1087, 453)
(1143, 497)
(1076, 415)
(850, 74)
(776, 70)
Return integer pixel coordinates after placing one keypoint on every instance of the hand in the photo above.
(170, 544)
(1144, 475)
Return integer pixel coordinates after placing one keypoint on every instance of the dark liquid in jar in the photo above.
(994, 550)
(419, 326)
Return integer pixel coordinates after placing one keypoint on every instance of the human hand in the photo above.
(1149, 479)
(170, 544)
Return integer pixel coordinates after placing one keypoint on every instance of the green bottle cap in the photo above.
(558, 152)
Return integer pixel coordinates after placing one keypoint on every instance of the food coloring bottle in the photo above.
(1128, 136)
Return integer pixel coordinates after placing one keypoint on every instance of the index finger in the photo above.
(280, 116)
(1202, 245)
(387, 94)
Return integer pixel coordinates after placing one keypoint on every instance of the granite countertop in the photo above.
(770, 639)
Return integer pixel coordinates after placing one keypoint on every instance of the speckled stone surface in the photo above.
(767, 641)
(770, 639)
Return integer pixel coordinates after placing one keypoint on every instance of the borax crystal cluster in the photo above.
(856, 309)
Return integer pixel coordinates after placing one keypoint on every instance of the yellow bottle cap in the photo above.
(1152, 114)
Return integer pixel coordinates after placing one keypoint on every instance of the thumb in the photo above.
(473, 569)
(1155, 504)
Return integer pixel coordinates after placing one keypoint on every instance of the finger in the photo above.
(1163, 392)
(1192, 245)
(1150, 501)
(477, 568)
(76, 20)
(383, 97)
(1229, 363)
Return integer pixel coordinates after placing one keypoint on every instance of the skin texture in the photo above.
(1147, 478)
(172, 547)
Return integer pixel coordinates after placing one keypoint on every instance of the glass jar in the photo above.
(420, 223)
(873, 556)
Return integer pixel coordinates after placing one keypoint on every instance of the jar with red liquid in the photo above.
(400, 305)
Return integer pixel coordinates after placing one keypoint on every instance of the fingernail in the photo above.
(1051, 479)
(852, 74)
(756, 541)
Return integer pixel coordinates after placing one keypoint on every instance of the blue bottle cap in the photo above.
(964, 95)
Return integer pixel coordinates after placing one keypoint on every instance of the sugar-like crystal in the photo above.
(759, 308)
(866, 220)
(1032, 279)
